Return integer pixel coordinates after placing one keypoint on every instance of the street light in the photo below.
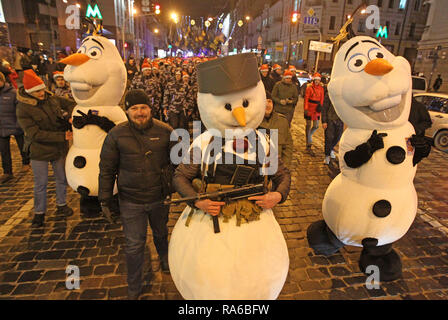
(156, 30)
(247, 18)
(210, 19)
(78, 5)
(174, 17)
(134, 12)
(294, 19)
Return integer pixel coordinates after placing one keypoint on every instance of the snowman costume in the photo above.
(372, 202)
(97, 78)
(247, 261)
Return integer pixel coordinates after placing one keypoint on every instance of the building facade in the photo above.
(322, 19)
(433, 47)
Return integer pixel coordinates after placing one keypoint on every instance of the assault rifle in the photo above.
(226, 195)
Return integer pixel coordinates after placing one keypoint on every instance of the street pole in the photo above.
(318, 52)
(289, 43)
(402, 27)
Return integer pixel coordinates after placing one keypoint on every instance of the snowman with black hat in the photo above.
(248, 257)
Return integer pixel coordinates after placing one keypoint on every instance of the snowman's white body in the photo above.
(246, 262)
(348, 201)
(87, 142)
(243, 262)
(367, 99)
(97, 78)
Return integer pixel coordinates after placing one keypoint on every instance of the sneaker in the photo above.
(332, 155)
(38, 220)
(327, 160)
(64, 210)
(6, 177)
(164, 264)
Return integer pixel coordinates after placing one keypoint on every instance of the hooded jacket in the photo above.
(43, 124)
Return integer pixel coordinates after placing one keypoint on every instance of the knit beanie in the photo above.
(137, 96)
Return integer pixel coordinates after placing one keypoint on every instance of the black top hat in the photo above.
(229, 74)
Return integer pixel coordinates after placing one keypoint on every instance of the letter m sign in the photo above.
(382, 32)
(93, 13)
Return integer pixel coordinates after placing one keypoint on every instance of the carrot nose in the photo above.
(75, 59)
(378, 67)
(240, 115)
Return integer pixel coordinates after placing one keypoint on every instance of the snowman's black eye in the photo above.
(245, 103)
(379, 55)
(228, 106)
(358, 62)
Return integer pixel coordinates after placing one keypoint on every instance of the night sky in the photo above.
(194, 8)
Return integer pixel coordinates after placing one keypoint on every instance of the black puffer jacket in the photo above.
(123, 156)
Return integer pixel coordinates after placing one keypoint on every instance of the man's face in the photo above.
(60, 82)
(155, 71)
(131, 62)
(178, 77)
(186, 79)
(146, 72)
(287, 80)
(316, 81)
(140, 115)
(264, 73)
(40, 94)
(279, 71)
(269, 107)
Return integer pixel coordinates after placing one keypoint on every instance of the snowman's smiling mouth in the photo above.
(383, 111)
(83, 91)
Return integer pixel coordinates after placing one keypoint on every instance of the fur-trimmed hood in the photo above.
(24, 97)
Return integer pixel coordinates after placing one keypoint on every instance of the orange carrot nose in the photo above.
(75, 59)
(378, 67)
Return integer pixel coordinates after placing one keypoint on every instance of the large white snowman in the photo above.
(97, 78)
(249, 261)
(373, 202)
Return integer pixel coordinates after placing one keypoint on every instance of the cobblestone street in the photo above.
(33, 261)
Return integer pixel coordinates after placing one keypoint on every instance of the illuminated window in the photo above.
(391, 4)
(402, 4)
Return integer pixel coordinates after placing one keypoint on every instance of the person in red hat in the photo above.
(61, 88)
(276, 74)
(314, 100)
(267, 80)
(285, 96)
(44, 119)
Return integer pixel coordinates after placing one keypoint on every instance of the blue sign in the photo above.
(310, 20)
(382, 32)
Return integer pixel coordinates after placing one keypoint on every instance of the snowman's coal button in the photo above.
(369, 242)
(83, 191)
(79, 162)
(395, 155)
(382, 208)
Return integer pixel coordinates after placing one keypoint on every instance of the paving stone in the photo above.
(25, 288)
(93, 294)
(6, 288)
(339, 271)
(29, 276)
(50, 255)
(105, 269)
(55, 275)
(9, 276)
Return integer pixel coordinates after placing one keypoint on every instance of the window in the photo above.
(350, 2)
(332, 22)
(412, 30)
(402, 4)
(391, 4)
(436, 104)
(388, 26)
(380, 3)
(397, 29)
(361, 26)
(417, 5)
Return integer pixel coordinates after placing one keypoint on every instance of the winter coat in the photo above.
(176, 97)
(275, 77)
(282, 91)
(328, 112)
(151, 86)
(44, 125)
(25, 62)
(314, 95)
(285, 144)
(419, 117)
(268, 83)
(8, 118)
(135, 158)
(133, 70)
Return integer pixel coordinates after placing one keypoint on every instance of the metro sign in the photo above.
(93, 13)
(382, 32)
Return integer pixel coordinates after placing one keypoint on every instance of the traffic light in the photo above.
(125, 44)
(155, 7)
(295, 17)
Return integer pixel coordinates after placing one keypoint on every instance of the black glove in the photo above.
(422, 147)
(376, 141)
(80, 121)
(90, 118)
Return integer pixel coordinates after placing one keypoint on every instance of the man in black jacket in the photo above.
(134, 153)
(419, 117)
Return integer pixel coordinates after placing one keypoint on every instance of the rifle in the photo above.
(226, 195)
